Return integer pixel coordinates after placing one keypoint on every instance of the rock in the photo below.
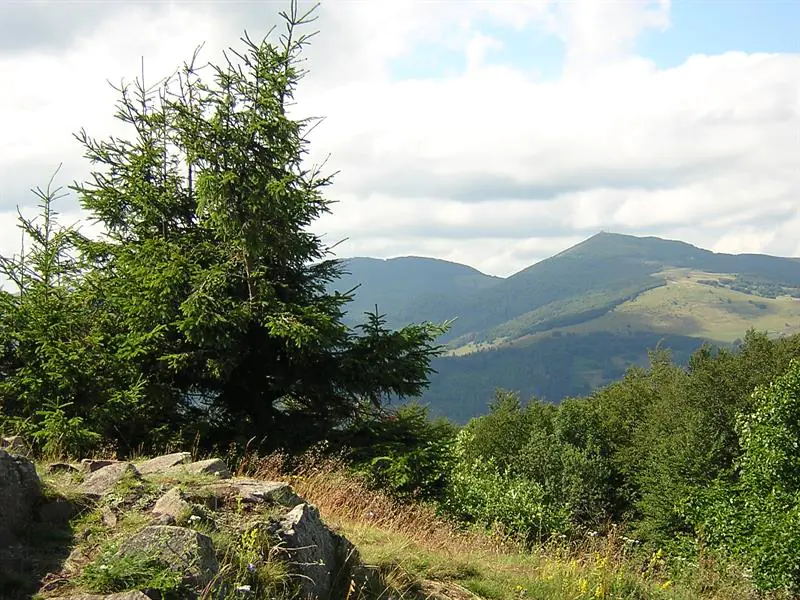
(212, 466)
(103, 480)
(14, 444)
(20, 492)
(162, 463)
(322, 560)
(61, 468)
(252, 491)
(183, 549)
(90, 465)
(135, 595)
(163, 520)
(58, 512)
(172, 505)
(109, 518)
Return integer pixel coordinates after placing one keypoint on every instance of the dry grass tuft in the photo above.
(342, 497)
(423, 555)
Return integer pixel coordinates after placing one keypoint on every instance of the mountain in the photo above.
(408, 289)
(577, 320)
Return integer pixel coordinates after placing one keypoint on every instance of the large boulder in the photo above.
(102, 481)
(213, 466)
(20, 493)
(172, 505)
(255, 492)
(324, 562)
(184, 550)
(160, 464)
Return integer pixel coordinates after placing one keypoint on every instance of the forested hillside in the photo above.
(407, 289)
(576, 321)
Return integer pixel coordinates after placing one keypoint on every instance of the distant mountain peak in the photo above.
(431, 264)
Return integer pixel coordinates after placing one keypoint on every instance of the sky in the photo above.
(489, 133)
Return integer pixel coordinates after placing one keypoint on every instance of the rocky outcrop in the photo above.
(160, 464)
(322, 564)
(322, 560)
(103, 480)
(20, 492)
(251, 491)
(172, 505)
(212, 466)
(183, 549)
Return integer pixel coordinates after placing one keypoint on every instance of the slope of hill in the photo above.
(408, 289)
(577, 320)
(597, 275)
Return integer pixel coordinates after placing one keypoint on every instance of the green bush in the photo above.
(555, 450)
(501, 434)
(60, 435)
(572, 464)
(404, 452)
(770, 478)
(756, 516)
(480, 492)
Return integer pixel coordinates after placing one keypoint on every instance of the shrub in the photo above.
(405, 452)
(757, 516)
(770, 476)
(480, 492)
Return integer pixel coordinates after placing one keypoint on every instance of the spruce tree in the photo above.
(210, 266)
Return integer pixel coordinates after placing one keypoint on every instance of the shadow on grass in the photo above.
(30, 561)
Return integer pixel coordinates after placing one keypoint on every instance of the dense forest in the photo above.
(205, 317)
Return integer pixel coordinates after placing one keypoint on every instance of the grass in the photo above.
(684, 306)
(687, 307)
(109, 574)
(413, 553)
(416, 550)
(550, 317)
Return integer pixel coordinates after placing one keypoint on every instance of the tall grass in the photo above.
(343, 497)
(414, 545)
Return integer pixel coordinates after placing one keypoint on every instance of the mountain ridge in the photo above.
(599, 235)
(610, 291)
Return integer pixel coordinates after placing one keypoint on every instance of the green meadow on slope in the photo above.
(691, 304)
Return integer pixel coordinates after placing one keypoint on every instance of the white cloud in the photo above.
(598, 33)
(492, 166)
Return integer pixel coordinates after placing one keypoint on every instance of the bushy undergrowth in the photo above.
(413, 542)
(478, 493)
(688, 459)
